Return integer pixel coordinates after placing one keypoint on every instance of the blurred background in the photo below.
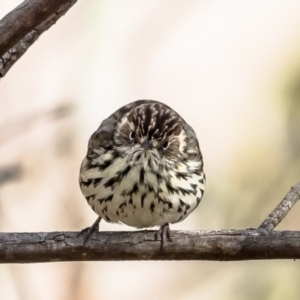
(230, 68)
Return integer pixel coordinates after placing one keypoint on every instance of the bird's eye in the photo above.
(165, 145)
(131, 135)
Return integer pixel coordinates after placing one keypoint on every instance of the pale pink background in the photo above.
(230, 68)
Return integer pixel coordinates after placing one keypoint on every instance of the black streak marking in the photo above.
(90, 197)
(170, 188)
(166, 168)
(106, 199)
(110, 182)
(104, 211)
(159, 178)
(123, 173)
(142, 176)
(142, 200)
(122, 207)
(194, 186)
(183, 191)
(150, 163)
(160, 199)
(86, 183)
(96, 181)
(185, 205)
(152, 207)
(181, 202)
(181, 175)
(103, 166)
(135, 189)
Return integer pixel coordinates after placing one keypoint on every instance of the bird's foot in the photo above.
(90, 230)
(164, 233)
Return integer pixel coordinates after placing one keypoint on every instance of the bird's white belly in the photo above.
(141, 200)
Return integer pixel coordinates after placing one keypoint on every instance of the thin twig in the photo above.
(282, 209)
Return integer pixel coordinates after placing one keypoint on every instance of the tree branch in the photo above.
(217, 245)
(282, 209)
(22, 27)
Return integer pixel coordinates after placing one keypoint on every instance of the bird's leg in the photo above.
(164, 233)
(90, 230)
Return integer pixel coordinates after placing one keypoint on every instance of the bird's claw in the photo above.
(90, 230)
(164, 233)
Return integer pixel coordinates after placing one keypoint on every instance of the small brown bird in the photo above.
(143, 168)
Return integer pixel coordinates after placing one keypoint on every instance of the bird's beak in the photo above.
(147, 144)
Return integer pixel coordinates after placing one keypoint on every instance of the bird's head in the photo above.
(151, 129)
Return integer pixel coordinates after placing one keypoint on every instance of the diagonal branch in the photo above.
(282, 209)
(21, 27)
(217, 245)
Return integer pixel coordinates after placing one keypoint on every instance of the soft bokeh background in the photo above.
(231, 68)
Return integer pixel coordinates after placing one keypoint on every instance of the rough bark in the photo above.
(217, 245)
(21, 27)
